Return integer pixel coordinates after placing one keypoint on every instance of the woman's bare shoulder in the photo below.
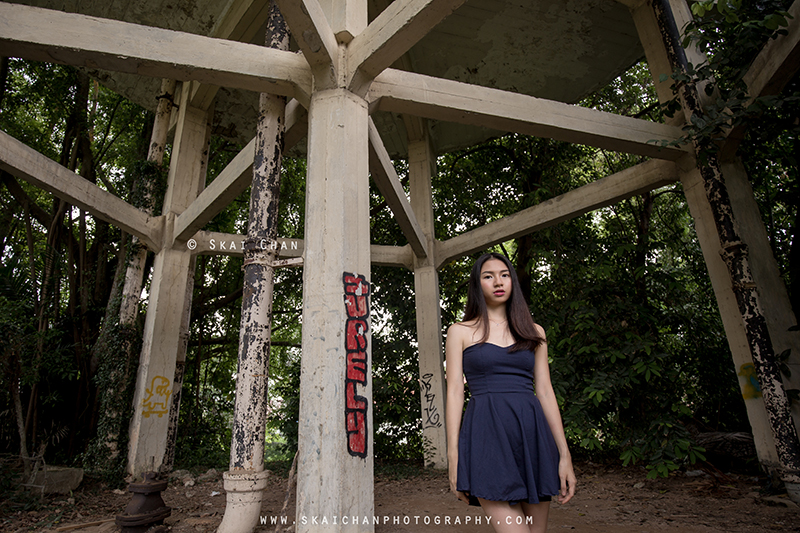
(540, 330)
(461, 330)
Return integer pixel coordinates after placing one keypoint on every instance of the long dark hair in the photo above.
(520, 321)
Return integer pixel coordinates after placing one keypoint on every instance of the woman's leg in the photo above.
(538, 512)
(519, 518)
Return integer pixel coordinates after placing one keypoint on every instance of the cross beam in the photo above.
(232, 180)
(385, 177)
(240, 22)
(80, 40)
(49, 35)
(771, 70)
(452, 101)
(393, 32)
(212, 242)
(315, 37)
(26, 163)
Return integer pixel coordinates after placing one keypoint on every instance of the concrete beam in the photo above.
(609, 190)
(453, 101)
(313, 34)
(80, 40)
(26, 163)
(385, 177)
(778, 62)
(399, 27)
(216, 243)
(296, 124)
(347, 18)
(240, 22)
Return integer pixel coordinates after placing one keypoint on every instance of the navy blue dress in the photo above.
(506, 451)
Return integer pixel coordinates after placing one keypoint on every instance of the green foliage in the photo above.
(13, 497)
(395, 368)
(729, 34)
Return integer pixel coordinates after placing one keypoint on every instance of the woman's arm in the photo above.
(547, 397)
(454, 406)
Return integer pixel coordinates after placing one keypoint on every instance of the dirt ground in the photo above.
(609, 499)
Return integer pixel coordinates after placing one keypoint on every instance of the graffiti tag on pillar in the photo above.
(432, 418)
(356, 302)
(157, 400)
(751, 388)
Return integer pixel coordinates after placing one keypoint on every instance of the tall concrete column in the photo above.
(172, 273)
(335, 458)
(708, 237)
(421, 164)
(731, 318)
(134, 275)
(778, 308)
(737, 254)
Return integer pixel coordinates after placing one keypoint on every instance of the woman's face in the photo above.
(495, 282)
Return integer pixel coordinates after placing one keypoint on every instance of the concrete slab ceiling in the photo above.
(554, 49)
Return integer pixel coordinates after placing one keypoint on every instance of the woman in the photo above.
(511, 455)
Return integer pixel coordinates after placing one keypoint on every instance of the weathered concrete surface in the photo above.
(709, 239)
(244, 482)
(735, 252)
(331, 481)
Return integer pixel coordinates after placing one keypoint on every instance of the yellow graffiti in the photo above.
(157, 398)
(751, 388)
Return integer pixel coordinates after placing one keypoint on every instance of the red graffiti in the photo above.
(356, 302)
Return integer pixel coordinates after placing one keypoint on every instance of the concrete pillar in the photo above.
(165, 312)
(346, 17)
(180, 371)
(733, 247)
(335, 457)
(778, 308)
(707, 235)
(731, 317)
(421, 162)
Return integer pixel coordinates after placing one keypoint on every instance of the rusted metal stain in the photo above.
(356, 300)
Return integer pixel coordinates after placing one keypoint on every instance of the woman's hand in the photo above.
(567, 475)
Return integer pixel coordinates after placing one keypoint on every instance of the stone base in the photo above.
(58, 479)
(793, 490)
